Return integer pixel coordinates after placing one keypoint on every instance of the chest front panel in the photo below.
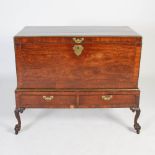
(56, 65)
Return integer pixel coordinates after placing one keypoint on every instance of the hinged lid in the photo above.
(65, 34)
(110, 31)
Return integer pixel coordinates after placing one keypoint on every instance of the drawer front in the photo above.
(47, 101)
(107, 101)
(72, 65)
(77, 99)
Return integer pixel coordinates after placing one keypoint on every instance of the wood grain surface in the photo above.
(107, 64)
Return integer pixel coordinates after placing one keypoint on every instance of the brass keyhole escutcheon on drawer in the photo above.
(106, 97)
(78, 49)
(78, 40)
(48, 98)
(72, 106)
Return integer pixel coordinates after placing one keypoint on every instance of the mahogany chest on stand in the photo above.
(77, 67)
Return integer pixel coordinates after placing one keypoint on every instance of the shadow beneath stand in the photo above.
(111, 117)
(41, 115)
(101, 114)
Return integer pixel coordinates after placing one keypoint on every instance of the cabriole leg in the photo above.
(17, 114)
(136, 124)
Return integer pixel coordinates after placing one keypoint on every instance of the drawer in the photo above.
(47, 101)
(107, 101)
(77, 98)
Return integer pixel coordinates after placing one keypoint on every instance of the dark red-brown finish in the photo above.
(102, 64)
(48, 66)
(76, 98)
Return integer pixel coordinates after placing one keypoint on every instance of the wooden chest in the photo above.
(77, 67)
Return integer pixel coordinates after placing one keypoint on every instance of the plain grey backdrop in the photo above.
(77, 131)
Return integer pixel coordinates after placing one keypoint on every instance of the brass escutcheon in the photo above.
(106, 97)
(78, 40)
(78, 49)
(48, 98)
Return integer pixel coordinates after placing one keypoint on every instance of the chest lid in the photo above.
(67, 34)
(104, 31)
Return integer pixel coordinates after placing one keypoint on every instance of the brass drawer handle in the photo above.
(106, 97)
(48, 98)
(78, 40)
(78, 49)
